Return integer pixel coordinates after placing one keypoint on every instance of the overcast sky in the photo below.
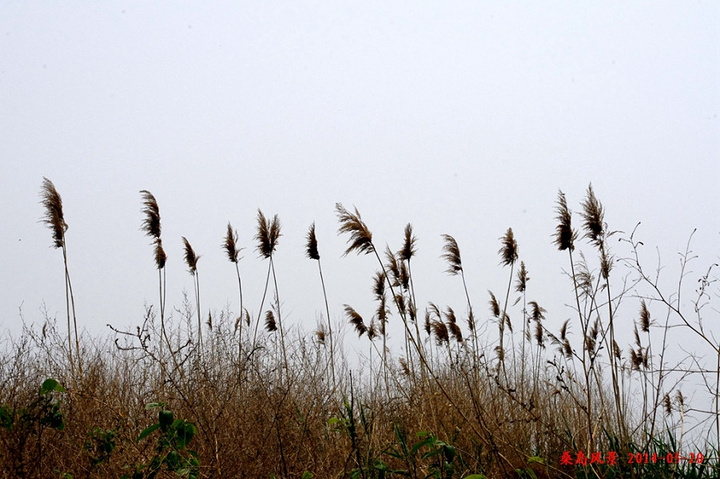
(459, 117)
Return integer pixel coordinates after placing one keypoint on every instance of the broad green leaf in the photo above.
(165, 418)
(148, 431)
(51, 385)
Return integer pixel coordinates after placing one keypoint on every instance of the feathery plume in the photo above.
(191, 258)
(230, 245)
(452, 325)
(379, 285)
(151, 226)
(54, 218)
(408, 250)
(539, 337)
(565, 236)
(644, 317)
(360, 236)
(356, 320)
(268, 232)
(494, 305)
(151, 223)
(537, 312)
(372, 331)
(522, 278)
(160, 256)
(451, 254)
(270, 324)
(441, 332)
(509, 250)
(593, 217)
(320, 334)
(393, 265)
(311, 247)
(564, 330)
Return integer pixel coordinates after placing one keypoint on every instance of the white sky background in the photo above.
(459, 117)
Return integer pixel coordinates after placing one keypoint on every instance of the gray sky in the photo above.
(459, 117)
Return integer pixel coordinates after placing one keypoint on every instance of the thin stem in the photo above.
(330, 332)
(242, 311)
(262, 303)
(280, 325)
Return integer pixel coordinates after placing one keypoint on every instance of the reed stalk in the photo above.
(54, 218)
(311, 251)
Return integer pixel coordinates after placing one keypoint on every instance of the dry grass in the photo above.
(439, 405)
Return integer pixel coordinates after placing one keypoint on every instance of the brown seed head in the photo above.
(160, 256)
(441, 332)
(356, 320)
(494, 305)
(54, 218)
(311, 246)
(593, 217)
(408, 250)
(509, 251)
(644, 317)
(565, 236)
(270, 324)
(191, 258)
(230, 245)
(451, 254)
(268, 232)
(360, 236)
(522, 278)
(151, 223)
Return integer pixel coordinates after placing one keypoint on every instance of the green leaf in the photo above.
(50, 385)
(475, 476)
(154, 405)
(165, 418)
(428, 441)
(449, 452)
(148, 431)
(307, 475)
(185, 432)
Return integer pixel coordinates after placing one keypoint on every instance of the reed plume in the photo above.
(409, 245)
(270, 324)
(311, 251)
(191, 259)
(231, 244)
(360, 236)
(311, 245)
(356, 320)
(55, 220)
(451, 254)
(54, 217)
(593, 217)
(151, 227)
(453, 325)
(565, 235)
(233, 253)
(268, 233)
(508, 255)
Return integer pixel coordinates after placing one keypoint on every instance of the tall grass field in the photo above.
(488, 388)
